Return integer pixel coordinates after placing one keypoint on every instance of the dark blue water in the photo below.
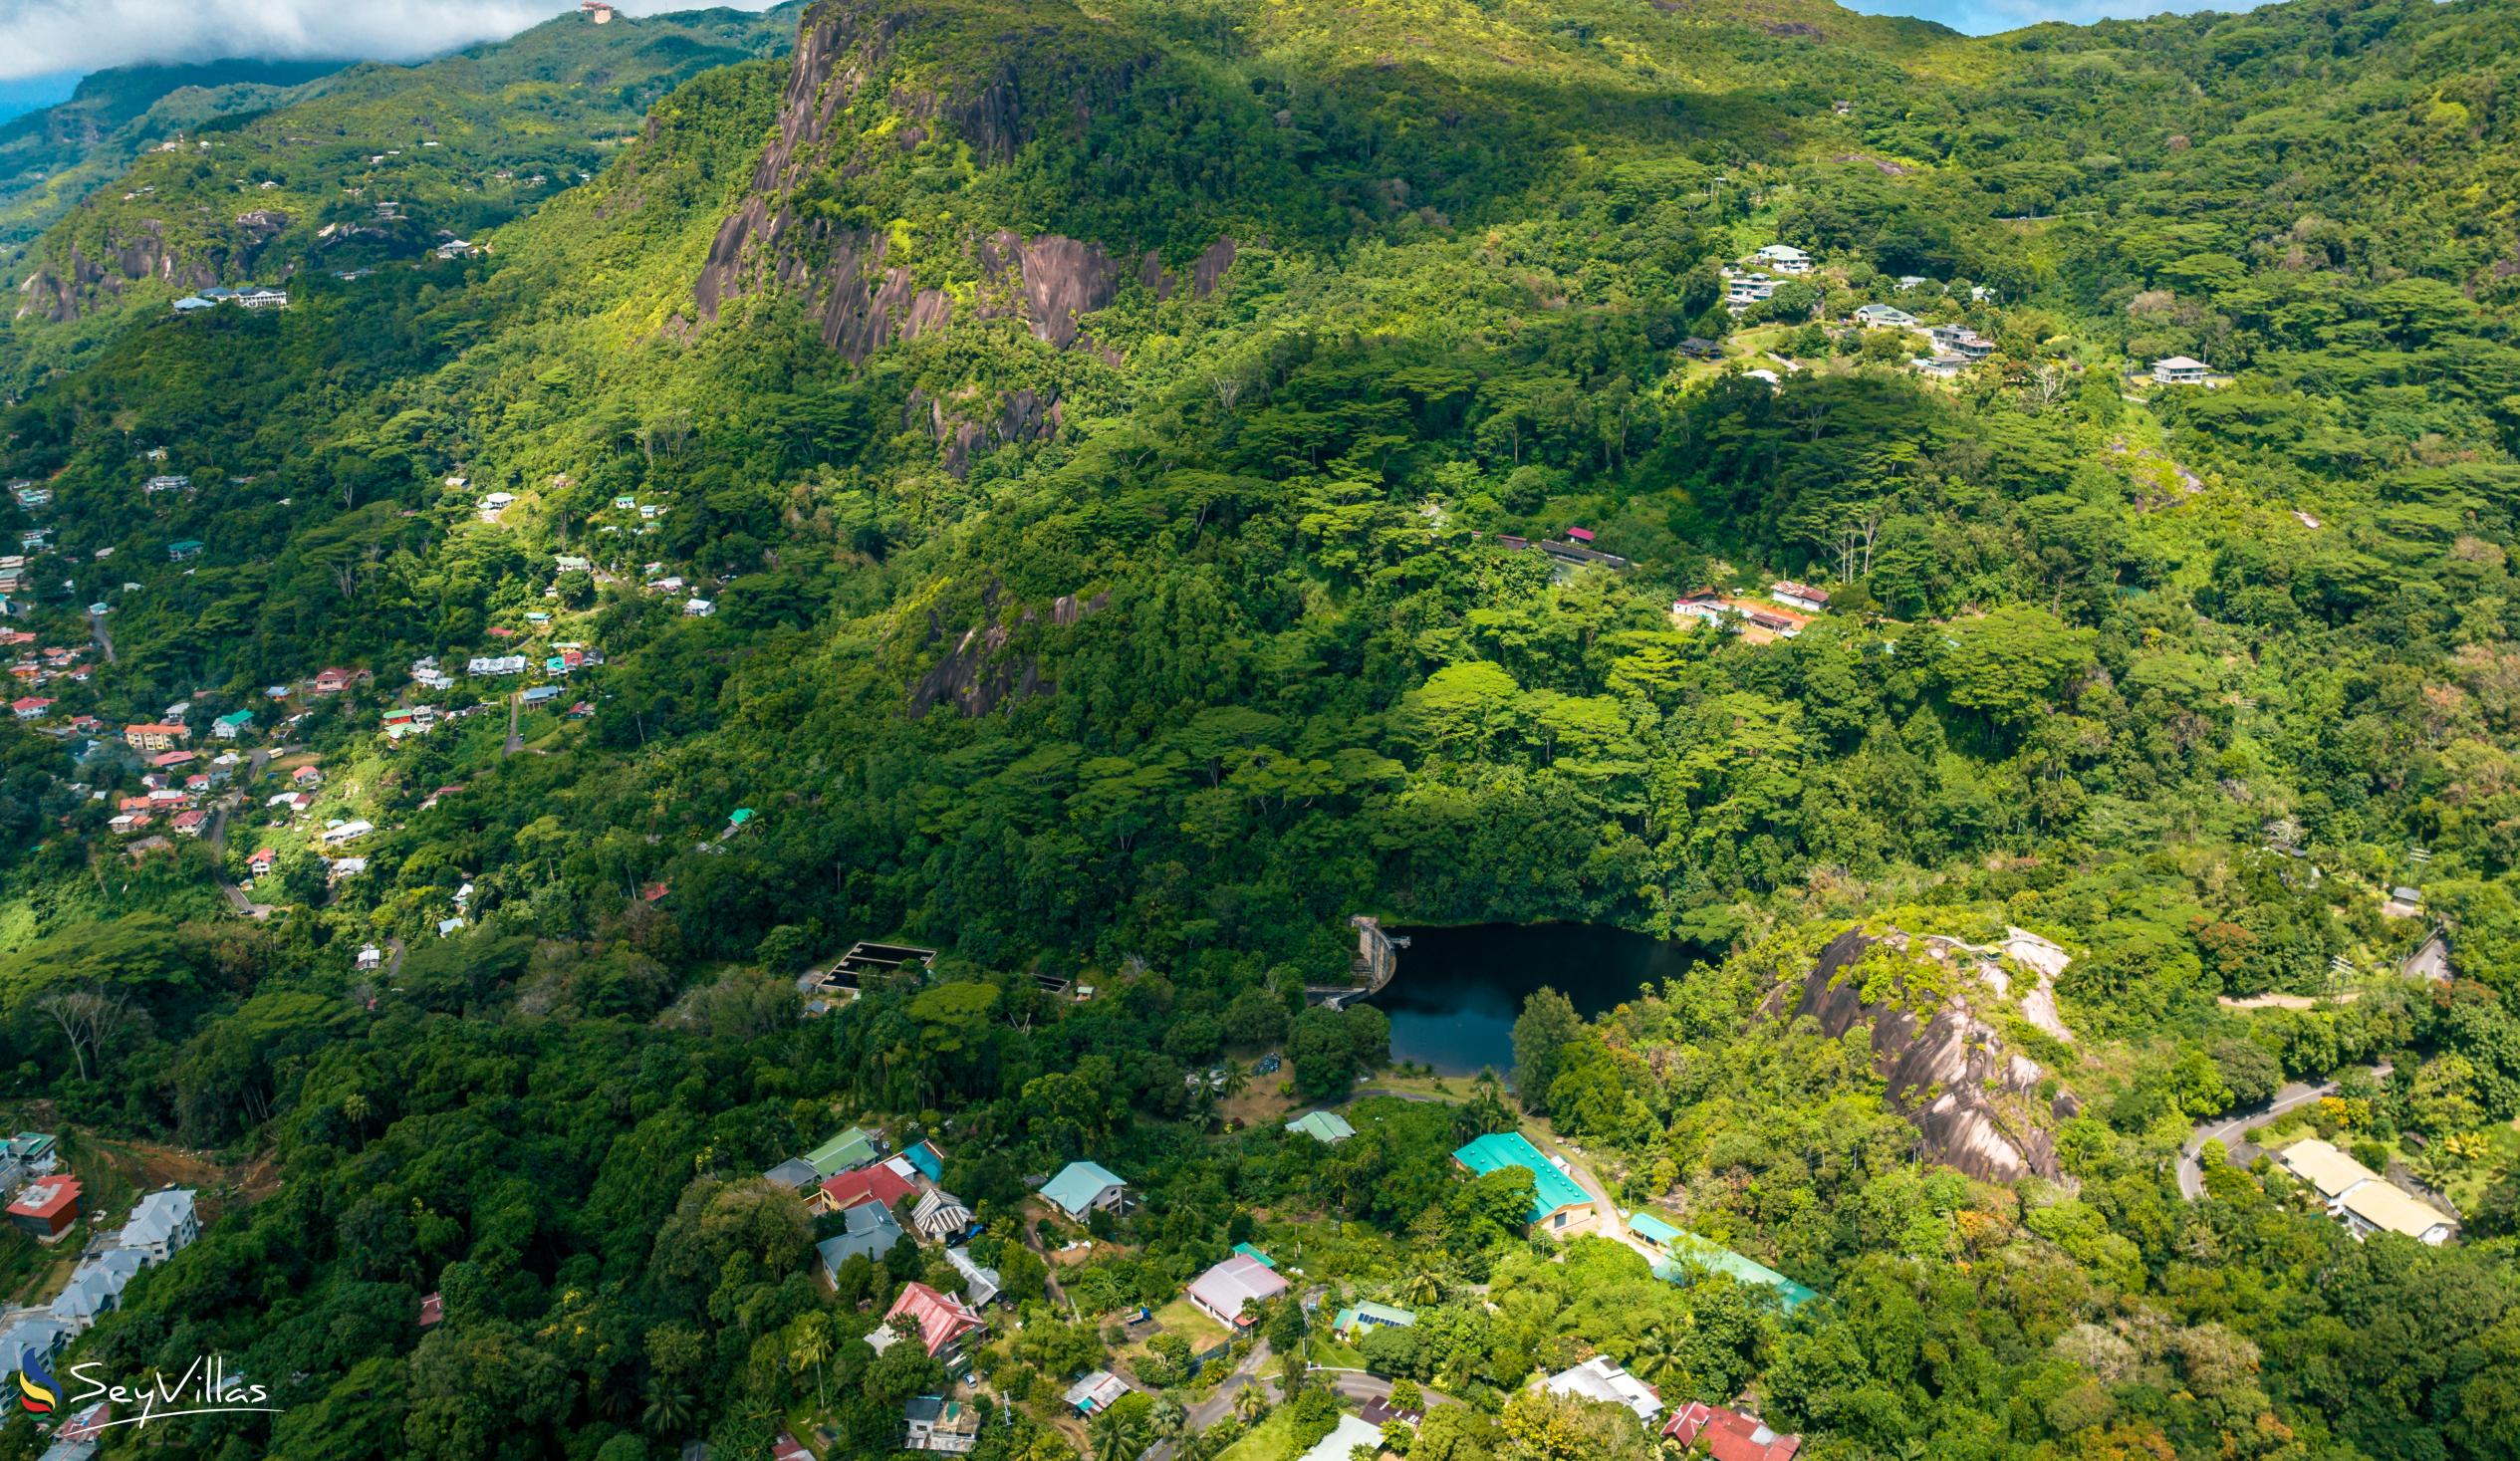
(1458, 990)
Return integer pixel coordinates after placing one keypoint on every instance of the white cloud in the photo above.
(42, 36)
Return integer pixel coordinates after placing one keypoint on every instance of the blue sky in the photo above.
(1985, 17)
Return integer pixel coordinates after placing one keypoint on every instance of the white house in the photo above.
(699, 609)
(980, 1284)
(347, 832)
(95, 1288)
(1785, 259)
(1598, 1379)
(1884, 317)
(2179, 371)
(2359, 1197)
(163, 1224)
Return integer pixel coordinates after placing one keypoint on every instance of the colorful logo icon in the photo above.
(38, 1391)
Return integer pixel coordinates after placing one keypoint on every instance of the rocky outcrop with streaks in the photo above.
(977, 675)
(62, 290)
(1976, 1104)
(842, 81)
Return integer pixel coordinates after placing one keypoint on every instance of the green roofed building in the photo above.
(846, 1153)
(1255, 1255)
(1558, 1206)
(1327, 1127)
(1690, 1252)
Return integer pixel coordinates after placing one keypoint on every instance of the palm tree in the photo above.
(668, 1410)
(1659, 1355)
(1423, 1287)
(1250, 1401)
(1118, 1438)
(812, 1350)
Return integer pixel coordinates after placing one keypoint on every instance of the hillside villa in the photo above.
(1083, 1188)
(2360, 1198)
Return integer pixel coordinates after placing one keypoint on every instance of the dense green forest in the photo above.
(1048, 482)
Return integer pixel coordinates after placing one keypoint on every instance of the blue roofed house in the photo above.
(1559, 1206)
(1083, 1187)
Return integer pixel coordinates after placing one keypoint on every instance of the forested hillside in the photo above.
(1107, 492)
(53, 156)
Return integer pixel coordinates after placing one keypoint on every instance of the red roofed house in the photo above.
(46, 1209)
(1799, 596)
(334, 682)
(171, 758)
(877, 1183)
(788, 1448)
(30, 708)
(307, 776)
(188, 824)
(943, 1320)
(261, 862)
(1580, 534)
(1729, 1435)
(432, 1308)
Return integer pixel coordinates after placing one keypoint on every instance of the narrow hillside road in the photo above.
(2226, 1129)
(236, 900)
(1219, 1402)
(102, 636)
(394, 959)
(1354, 1384)
(515, 742)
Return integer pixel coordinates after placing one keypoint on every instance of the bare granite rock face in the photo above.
(977, 675)
(64, 292)
(867, 298)
(1975, 1103)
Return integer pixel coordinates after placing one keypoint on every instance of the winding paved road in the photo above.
(2191, 1175)
(1354, 1384)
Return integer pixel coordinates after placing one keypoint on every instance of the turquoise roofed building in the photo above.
(1367, 1315)
(1559, 1206)
(1255, 1255)
(1653, 1230)
(929, 1161)
(1082, 1187)
(1686, 1255)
